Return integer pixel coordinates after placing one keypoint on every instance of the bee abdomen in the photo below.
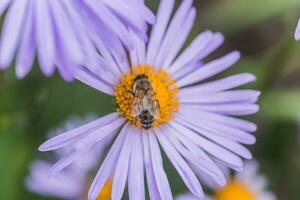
(146, 119)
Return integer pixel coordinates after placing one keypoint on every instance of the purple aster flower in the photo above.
(63, 32)
(166, 99)
(297, 32)
(73, 182)
(246, 185)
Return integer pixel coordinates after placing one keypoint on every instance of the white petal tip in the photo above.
(251, 141)
(21, 72)
(152, 19)
(251, 77)
(44, 147)
(237, 54)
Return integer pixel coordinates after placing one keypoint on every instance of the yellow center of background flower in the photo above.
(165, 88)
(235, 190)
(105, 193)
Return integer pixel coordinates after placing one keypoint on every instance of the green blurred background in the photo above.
(261, 30)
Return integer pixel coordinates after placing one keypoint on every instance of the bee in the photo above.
(144, 104)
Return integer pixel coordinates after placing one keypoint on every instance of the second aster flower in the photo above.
(63, 32)
(164, 99)
(246, 185)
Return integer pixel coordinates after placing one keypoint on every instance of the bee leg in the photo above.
(130, 92)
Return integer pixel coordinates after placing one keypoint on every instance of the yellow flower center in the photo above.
(152, 103)
(235, 190)
(105, 193)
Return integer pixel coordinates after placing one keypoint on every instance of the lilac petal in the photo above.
(167, 58)
(93, 60)
(222, 119)
(220, 129)
(25, 54)
(69, 51)
(250, 173)
(181, 166)
(77, 133)
(215, 150)
(63, 185)
(133, 53)
(144, 11)
(109, 60)
(123, 64)
(220, 85)
(99, 134)
(136, 185)
(108, 165)
(231, 145)
(135, 6)
(196, 156)
(297, 32)
(11, 31)
(266, 196)
(78, 151)
(152, 186)
(65, 30)
(198, 45)
(163, 15)
(107, 37)
(3, 5)
(138, 53)
(65, 73)
(158, 170)
(176, 25)
(92, 81)
(121, 171)
(186, 197)
(44, 30)
(98, 67)
(233, 109)
(127, 14)
(214, 42)
(65, 161)
(109, 18)
(247, 96)
(186, 70)
(210, 69)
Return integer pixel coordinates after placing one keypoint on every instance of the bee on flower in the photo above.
(166, 99)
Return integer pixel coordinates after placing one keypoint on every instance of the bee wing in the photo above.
(154, 109)
(137, 106)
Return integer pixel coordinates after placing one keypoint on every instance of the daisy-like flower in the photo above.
(246, 185)
(63, 32)
(297, 32)
(73, 182)
(164, 99)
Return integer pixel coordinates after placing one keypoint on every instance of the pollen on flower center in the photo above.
(235, 190)
(147, 97)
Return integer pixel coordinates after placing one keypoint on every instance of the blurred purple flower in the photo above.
(297, 32)
(62, 32)
(249, 183)
(71, 183)
(192, 117)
